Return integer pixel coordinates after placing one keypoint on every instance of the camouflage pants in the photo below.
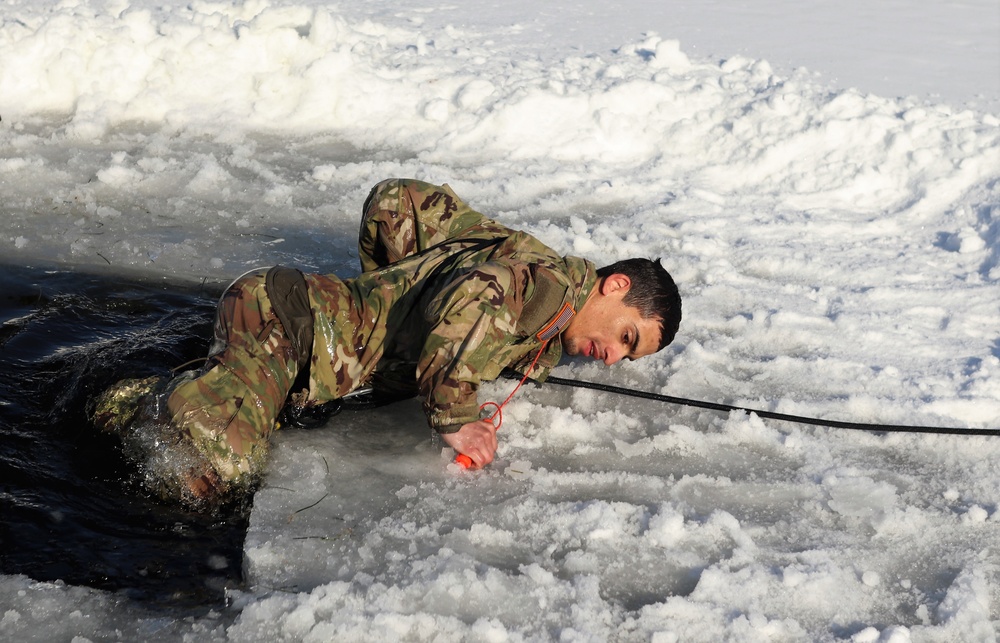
(229, 410)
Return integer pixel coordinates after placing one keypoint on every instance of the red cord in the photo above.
(465, 461)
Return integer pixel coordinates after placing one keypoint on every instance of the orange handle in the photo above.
(465, 461)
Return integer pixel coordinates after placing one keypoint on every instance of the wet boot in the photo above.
(116, 409)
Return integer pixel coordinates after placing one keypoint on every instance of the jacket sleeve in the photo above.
(471, 319)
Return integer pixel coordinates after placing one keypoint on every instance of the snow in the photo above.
(823, 182)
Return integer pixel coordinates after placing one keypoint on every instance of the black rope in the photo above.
(771, 415)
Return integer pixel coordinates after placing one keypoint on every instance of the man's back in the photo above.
(440, 321)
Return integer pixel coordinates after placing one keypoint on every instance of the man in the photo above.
(447, 299)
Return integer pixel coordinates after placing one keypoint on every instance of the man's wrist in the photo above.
(452, 419)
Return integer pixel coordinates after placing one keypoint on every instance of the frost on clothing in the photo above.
(438, 322)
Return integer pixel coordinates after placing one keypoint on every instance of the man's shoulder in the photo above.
(550, 283)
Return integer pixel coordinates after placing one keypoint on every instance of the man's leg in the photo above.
(204, 435)
(229, 410)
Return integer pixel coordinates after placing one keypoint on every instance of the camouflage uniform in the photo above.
(204, 435)
(447, 298)
(464, 303)
(230, 409)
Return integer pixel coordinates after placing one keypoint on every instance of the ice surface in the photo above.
(838, 252)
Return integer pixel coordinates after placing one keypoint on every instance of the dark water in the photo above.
(70, 507)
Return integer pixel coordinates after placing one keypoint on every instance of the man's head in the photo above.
(633, 311)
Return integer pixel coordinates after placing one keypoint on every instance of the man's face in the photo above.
(608, 330)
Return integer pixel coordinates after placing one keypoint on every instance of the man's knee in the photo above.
(220, 414)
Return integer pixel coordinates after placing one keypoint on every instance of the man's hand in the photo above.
(478, 440)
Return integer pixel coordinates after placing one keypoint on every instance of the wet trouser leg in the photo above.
(229, 410)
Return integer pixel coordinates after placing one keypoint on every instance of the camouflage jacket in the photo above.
(456, 312)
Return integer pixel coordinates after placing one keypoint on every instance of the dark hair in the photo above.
(653, 292)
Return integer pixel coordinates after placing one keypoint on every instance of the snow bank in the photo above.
(654, 135)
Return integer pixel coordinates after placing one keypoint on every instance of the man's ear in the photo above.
(615, 283)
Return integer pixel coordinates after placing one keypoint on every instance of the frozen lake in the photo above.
(823, 182)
